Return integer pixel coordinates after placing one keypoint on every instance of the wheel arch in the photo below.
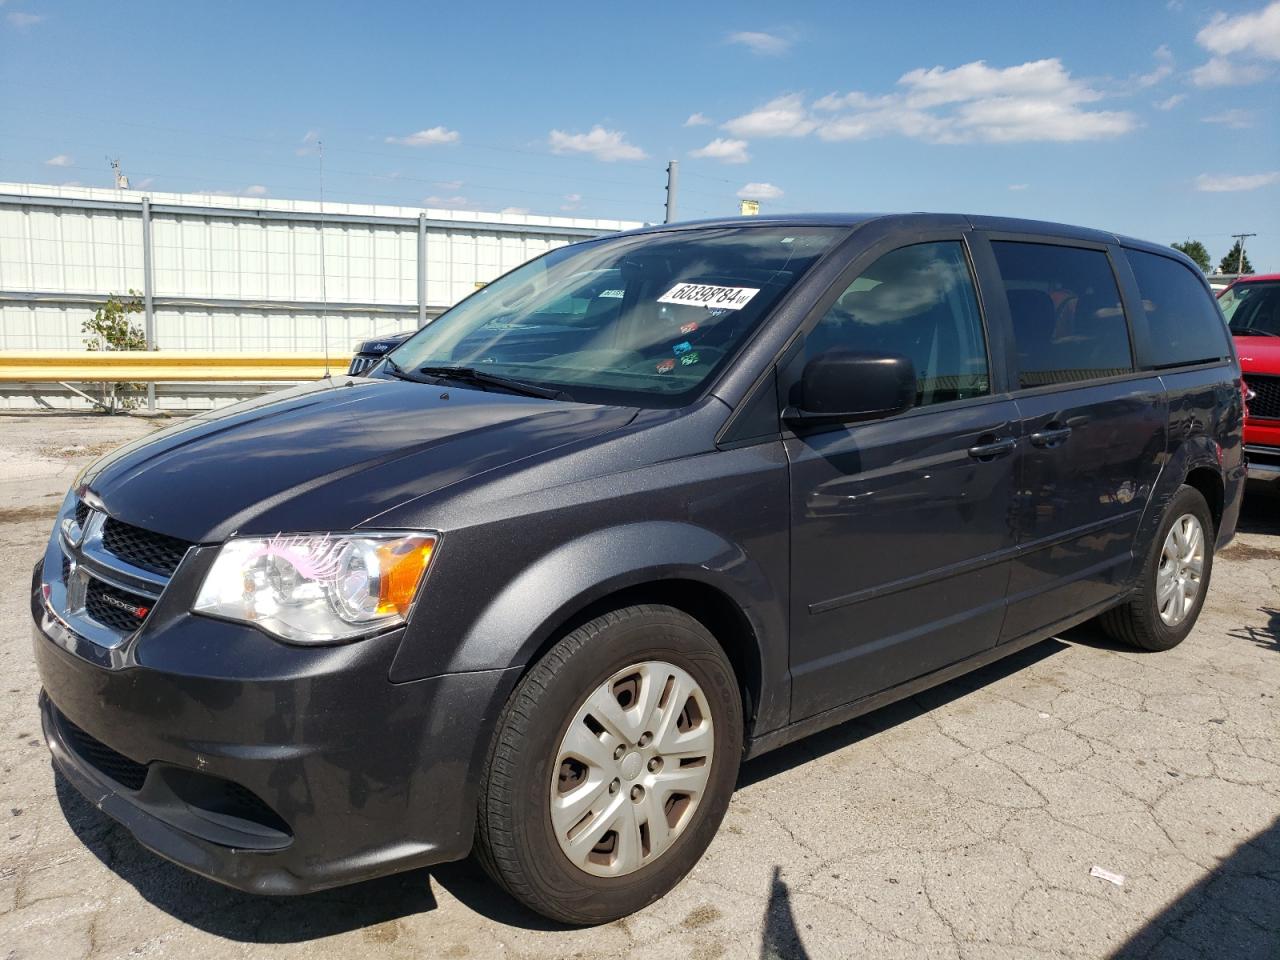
(682, 565)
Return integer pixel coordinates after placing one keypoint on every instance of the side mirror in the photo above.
(845, 386)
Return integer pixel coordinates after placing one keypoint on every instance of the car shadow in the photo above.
(1232, 912)
(1260, 509)
(850, 732)
(250, 918)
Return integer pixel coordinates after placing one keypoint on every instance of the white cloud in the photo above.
(61, 160)
(759, 191)
(606, 145)
(257, 190)
(455, 201)
(1163, 68)
(454, 185)
(1018, 186)
(1221, 72)
(1234, 42)
(572, 201)
(766, 44)
(1256, 34)
(783, 116)
(1235, 119)
(1014, 119)
(22, 20)
(724, 150)
(1168, 103)
(514, 210)
(697, 120)
(1038, 79)
(427, 138)
(144, 183)
(310, 143)
(1034, 101)
(1209, 183)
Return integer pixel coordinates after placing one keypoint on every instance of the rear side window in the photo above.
(1068, 324)
(917, 301)
(1185, 325)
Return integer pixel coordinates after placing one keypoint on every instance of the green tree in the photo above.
(1196, 251)
(111, 329)
(1232, 261)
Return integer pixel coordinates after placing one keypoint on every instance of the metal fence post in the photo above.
(149, 313)
(422, 270)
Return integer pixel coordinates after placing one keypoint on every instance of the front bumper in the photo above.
(1264, 462)
(267, 767)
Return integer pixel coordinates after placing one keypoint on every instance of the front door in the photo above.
(901, 529)
(1093, 432)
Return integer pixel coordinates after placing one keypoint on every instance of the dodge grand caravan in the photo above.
(640, 509)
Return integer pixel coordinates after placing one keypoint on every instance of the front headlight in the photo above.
(317, 588)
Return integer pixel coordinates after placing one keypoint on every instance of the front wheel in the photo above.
(612, 766)
(1171, 590)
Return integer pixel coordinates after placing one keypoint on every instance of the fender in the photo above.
(1188, 454)
(522, 617)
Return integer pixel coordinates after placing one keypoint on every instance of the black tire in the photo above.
(515, 840)
(1137, 621)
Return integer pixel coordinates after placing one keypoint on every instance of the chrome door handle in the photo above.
(1052, 437)
(993, 449)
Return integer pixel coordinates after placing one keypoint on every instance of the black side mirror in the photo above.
(844, 386)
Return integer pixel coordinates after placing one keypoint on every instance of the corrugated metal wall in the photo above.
(232, 273)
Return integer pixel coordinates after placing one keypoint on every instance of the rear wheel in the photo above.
(1175, 577)
(612, 766)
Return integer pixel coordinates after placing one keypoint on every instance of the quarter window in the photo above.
(1068, 324)
(1184, 325)
(918, 301)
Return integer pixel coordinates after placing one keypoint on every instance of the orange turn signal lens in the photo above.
(402, 565)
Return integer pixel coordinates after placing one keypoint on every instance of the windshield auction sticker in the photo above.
(709, 296)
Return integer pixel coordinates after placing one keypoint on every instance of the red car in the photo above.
(1252, 308)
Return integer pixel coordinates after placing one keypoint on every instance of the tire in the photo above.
(1139, 620)
(529, 771)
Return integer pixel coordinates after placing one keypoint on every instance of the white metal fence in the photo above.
(250, 274)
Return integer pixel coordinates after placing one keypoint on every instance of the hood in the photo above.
(328, 456)
(1259, 354)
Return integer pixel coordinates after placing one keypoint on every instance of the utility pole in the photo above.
(673, 178)
(1240, 238)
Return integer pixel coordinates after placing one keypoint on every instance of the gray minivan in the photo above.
(640, 509)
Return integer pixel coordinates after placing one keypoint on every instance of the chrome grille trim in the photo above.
(70, 566)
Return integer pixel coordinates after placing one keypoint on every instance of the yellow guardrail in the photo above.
(51, 366)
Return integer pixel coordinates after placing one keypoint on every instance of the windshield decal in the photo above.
(680, 348)
(709, 296)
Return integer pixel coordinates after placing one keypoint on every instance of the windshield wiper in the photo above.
(1249, 332)
(399, 372)
(472, 375)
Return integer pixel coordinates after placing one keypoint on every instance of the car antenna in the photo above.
(324, 290)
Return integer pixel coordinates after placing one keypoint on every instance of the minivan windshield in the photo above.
(641, 320)
(1252, 309)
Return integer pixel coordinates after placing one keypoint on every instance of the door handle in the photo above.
(989, 450)
(1050, 436)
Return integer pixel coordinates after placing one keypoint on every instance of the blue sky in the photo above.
(1155, 119)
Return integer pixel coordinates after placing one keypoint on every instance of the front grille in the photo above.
(360, 364)
(142, 548)
(82, 513)
(1266, 401)
(114, 608)
(102, 758)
